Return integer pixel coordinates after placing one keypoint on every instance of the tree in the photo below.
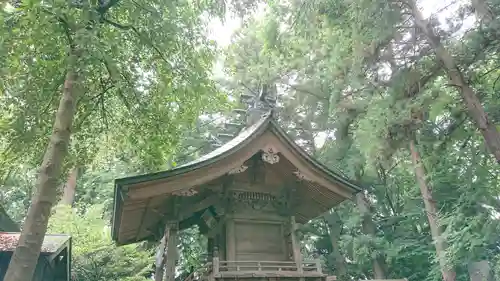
(370, 86)
(486, 126)
(95, 257)
(85, 58)
(362, 87)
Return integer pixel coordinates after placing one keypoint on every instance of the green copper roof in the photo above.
(52, 243)
(243, 138)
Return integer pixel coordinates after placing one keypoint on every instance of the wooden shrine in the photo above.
(246, 197)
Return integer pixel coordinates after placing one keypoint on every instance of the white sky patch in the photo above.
(445, 9)
(221, 32)
(493, 213)
(321, 137)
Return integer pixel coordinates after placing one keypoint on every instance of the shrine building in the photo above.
(246, 197)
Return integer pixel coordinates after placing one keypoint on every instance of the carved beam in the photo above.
(185, 192)
(203, 204)
(238, 170)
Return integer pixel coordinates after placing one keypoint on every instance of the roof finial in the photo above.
(263, 104)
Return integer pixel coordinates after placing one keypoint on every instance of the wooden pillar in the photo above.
(230, 240)
(318, 266)
(210, 248)
(161, 257)
(171, 256)
(297, 255)
(167, 255)
(215, 261)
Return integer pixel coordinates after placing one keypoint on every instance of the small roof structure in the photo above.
(52, 243)
(54, 262)
(142, 204)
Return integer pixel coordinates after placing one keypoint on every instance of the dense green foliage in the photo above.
(357, 82)
(95, 257)
(362, 75)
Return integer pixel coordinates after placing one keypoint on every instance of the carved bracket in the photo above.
(238, 170)
(282, 202)
(185, 192)
(270, 155)
(301, 176)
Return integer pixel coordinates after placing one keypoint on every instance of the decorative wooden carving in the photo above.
(253, 200)
(270, 155)
(238, 170)
(185, 192)
(282, 202)
(209, 219)
(301, 176)
(219, 209)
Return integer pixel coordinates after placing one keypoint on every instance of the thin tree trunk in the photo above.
(369, 228)
(482, 10)
(334, 230)
(69, 190)
(25, 257)
(432, 214)
(489, 131)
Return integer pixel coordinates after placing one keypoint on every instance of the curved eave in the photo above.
(331, 175)
(246, 136)
(230, 148)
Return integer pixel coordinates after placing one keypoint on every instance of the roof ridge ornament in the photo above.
(262, 105)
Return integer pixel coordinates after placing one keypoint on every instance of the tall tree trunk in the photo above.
(369, 228)
(482, 10)
(69, 190)
(334, 230)
(432, 214)
(25, 257)
(476, 110)
(480, 271)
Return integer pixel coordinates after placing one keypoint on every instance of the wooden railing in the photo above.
(266, 266)
(217, 269)
(201, 273)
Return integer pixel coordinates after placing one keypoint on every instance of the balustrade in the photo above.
(313, 266)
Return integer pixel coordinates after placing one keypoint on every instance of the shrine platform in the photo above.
(264, 270)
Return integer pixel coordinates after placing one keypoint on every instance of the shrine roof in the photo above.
(206, 159)
(52, 243)
(139, 200)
